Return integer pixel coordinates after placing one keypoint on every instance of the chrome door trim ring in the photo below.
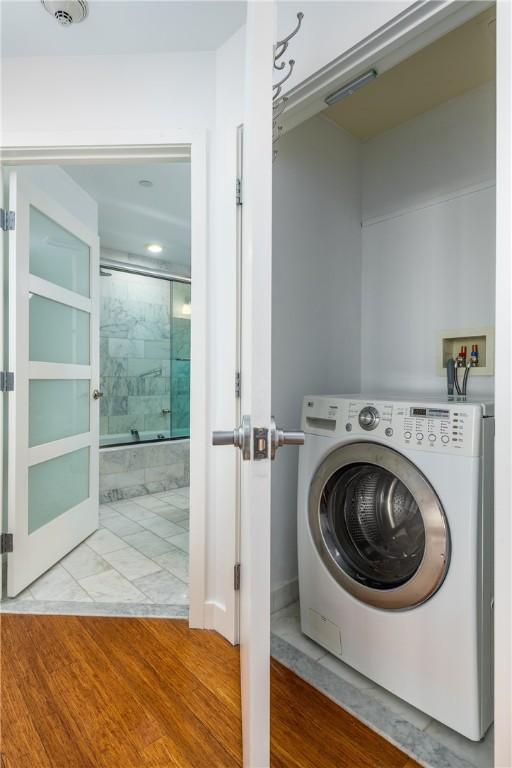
(435, 562)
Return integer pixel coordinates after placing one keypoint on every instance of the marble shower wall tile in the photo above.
(158, 348)
(121, 479)
(131, 471)
(125, 348)
(125, 318)
(113, 406)
(157, 422)
(118, 425)
(111, 366)
(145, 404)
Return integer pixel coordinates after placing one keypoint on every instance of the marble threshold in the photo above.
(427, 741)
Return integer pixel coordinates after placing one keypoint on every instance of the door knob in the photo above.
(240, 437)
(96, 393)
(280, 437)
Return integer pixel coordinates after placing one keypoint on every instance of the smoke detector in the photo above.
(67, 12)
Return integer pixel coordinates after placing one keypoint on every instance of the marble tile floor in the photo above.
(426, 740)
(135, 564)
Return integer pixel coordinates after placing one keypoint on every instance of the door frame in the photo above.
(413, 29)
(121, 146)
(503, 396)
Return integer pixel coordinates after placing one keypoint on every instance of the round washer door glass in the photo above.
(378, 526)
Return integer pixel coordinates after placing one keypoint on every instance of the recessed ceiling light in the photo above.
(145, 183)
(154, 248)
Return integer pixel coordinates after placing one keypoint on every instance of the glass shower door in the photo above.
(53, 414)
(135, 357)
(180, 359)
(144, 357)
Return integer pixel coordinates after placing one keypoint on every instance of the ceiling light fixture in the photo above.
(154, 248)
(145, 183)
(349, 88)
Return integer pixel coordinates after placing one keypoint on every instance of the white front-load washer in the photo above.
(395, 510)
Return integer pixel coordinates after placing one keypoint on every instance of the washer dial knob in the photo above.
(369, 417)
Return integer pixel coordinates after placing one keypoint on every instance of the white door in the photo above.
(256, 436)
(256, 385)
(53, 412)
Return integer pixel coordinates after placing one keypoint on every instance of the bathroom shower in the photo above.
(144, 357)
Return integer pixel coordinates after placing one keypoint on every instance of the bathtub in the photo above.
(126, 438)
(143, 467)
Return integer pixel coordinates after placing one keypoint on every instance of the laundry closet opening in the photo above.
(384, 256)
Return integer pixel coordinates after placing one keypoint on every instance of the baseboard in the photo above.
(216, 617)
(284, 595)
(211, 611)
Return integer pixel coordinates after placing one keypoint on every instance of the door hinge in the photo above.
(6, 381)
(238, 384)
(236, 577)
(239, 200)
(6, 543)
(7, 219)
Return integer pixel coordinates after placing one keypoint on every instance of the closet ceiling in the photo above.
(461, 60)
(131, 216)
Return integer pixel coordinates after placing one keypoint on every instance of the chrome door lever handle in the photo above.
(96, 393)
(280, 437)
(224, 438)
(239, 437)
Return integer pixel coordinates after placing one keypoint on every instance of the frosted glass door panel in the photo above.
(58, 333)
(58, 408)
(57, 255)
(55, 486)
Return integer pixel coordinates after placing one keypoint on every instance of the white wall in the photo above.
(316, 297)
(151, 92)
(428, 241)
(445, 150)
(106, 92)
(329, 29)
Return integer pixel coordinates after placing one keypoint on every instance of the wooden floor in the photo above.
(85, 692)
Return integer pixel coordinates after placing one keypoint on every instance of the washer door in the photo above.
(379, 526)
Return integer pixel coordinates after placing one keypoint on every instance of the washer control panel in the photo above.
(369, 417)
(452, 427)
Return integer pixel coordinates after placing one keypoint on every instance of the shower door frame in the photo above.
(122, 147)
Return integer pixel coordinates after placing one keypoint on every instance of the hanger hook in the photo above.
(278, 86)
(281, 46)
